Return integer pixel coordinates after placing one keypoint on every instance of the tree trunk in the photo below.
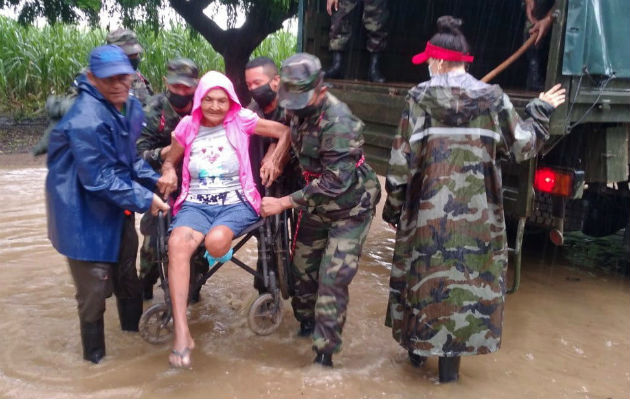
(236, 45)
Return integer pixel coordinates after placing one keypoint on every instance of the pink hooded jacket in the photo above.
(239, 124)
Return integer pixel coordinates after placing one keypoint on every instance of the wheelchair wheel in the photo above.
(156, 324)
(265, 315)
(282, 257)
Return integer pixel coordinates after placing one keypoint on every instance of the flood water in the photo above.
(566, 331)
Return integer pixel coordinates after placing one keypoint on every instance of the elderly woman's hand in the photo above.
(269, 172)
(167, 183)
(274, 205)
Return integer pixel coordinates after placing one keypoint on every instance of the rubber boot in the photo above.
(448, 369)
(306, 328)
(336, 69)
(324, 359)
(416, 360)
(129, 313)
(93, 340)
(374, 72)
(147, 287)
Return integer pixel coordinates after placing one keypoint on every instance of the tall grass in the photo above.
(36, 62)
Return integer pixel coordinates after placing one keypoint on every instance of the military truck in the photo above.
(580, 179)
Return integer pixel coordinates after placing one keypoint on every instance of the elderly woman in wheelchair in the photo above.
(218, 198)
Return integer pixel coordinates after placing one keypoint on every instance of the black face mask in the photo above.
(135, 62)
(263, 95)
(178, 100)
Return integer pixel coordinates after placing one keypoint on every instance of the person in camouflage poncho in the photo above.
(443, 183)
(162, 113)
(337, 203)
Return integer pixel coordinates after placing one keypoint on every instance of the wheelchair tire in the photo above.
(265, 314)
(156, 324)
(282, 257)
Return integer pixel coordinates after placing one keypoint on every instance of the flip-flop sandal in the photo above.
(181, 356)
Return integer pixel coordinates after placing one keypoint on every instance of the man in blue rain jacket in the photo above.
(95, 184)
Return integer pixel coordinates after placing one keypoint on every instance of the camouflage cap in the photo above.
(300, 74)
(183, 71)
(125, 39)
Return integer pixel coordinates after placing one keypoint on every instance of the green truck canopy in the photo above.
(597, 38)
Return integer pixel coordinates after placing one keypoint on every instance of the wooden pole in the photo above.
(492, 74)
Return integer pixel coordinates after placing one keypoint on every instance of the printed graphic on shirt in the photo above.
(214, 169)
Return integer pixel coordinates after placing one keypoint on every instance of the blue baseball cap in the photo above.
(109, 60)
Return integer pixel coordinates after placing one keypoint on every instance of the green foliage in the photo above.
(36, 62)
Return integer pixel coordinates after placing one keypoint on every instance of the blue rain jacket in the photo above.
(94, 174)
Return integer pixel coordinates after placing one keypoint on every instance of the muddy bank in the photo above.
(19, 136)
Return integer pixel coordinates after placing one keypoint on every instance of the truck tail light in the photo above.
(554, 181)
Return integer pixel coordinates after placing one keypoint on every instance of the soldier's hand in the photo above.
(158, 205)
(554, 96)
(167, 183)
(541, 28)
(273, 205)
(332, 4)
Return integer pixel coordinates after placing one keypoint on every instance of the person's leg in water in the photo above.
(339, 265)
(312, 236)
(93, 285)
(182, 243)
(126, 284)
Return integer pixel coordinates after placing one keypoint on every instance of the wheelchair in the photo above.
(265, 313)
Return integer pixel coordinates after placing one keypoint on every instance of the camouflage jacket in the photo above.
(141, 88)
(330, 144)
(447, 282)
(160, 119)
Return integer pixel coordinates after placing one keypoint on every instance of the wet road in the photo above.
(566, 331)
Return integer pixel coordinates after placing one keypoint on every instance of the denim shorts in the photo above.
(203, 217)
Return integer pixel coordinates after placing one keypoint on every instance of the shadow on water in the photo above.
(566, 331)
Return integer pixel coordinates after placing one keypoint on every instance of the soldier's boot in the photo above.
(374, 71)
(336, 68)
(129, 313)
(448, 369)
(93, 340)
(416, 360)
(325, 359)
(306, 328)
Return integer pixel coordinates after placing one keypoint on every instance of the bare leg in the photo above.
(181, 245)
(219, 240)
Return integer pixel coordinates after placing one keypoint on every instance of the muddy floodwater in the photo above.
(566, 331)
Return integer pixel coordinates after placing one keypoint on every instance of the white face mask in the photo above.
(431, 74)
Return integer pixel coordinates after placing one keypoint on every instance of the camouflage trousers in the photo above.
(325, 261)
(375, 15)
(149, 260)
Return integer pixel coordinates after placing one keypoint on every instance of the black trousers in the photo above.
(96, 281)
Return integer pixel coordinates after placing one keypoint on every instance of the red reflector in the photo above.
(552, 181)
(127, 212)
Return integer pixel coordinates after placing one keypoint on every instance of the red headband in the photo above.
(440, 53)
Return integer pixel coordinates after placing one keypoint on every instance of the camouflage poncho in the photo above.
(447, 283)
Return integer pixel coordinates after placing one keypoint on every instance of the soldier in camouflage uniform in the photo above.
(447, 283)
(262, 79)
(375, 15)
(58, 105)
(162, 114)
(337, 204)
(128, 41)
